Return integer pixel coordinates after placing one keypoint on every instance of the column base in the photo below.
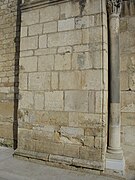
(115, 163)
(112, 150)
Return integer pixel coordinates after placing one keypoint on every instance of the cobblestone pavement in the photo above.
(16, 169)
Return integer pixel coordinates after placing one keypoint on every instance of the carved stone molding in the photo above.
(28, 4)
(114, 6)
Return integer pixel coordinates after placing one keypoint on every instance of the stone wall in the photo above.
(127, 47)
(7, 59)
(64, 82)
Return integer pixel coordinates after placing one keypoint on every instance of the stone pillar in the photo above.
(114, 158)
(114, 7)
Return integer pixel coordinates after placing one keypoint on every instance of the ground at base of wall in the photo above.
(14, 169)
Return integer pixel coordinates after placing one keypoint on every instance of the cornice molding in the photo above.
(28, 4)
(114, 7)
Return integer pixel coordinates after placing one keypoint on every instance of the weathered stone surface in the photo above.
(39, 81)
(46, 16)
(64, 38)
(28, 64)
(60, 159)
(39, 101)
(82, 60)
(42, 41)
(64, 25)
(26, 100)
(30, 17)
(129, 136)
(54, 80)
(54, 100)
(63, 62)
(70, 80)
(59, 118)
(29, 43)
(50, 27)
(92, 80)
(76, 101)
(46, 63)
(35, 29)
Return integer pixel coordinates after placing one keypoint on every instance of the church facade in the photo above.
(67, 82)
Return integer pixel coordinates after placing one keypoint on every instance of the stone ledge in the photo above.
(28, 4)
(64, 160)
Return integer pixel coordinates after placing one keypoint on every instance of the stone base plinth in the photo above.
(115, 163)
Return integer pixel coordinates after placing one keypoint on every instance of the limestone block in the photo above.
(35, 29)
(84, 22)
(93, 34)
(39, 81)
(128, 101)
(124, 82)
(99, 101)
(46, 51)
(129, 136)
(54, 100)
(71, 132)
(6, 109)
(69, 10)
(123, 25)
(88, 164)
(26, 100)
(82, 60)
(63, 62)
(71, 150)
(132, 81)
(28, 64)
(98, 142)
(46, 63)
(46, 16)
(91, 101)
(94, 131)
(89, 141)
(66, 49)
(60, 159)
(39, 101)
(93, 7)
(3, 130)
(76, 101)
(30, 17)
(67, 24)
(29, 43)
(97, 59)
(53, 148)
(73, 119)
(81, 48)
(90, 153)
(70, 80)
(131, 24)
(92, 80)
(64, 38)
(23, 77)
(50, 27)
(26, 53)
(24, 31)
(42, 41)
(128, 119)
(124, 41)
(57, 118)
(54, 80)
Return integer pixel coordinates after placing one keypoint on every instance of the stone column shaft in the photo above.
(114, 83)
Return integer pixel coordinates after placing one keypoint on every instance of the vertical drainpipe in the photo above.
(16, 75)
(114, 146)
